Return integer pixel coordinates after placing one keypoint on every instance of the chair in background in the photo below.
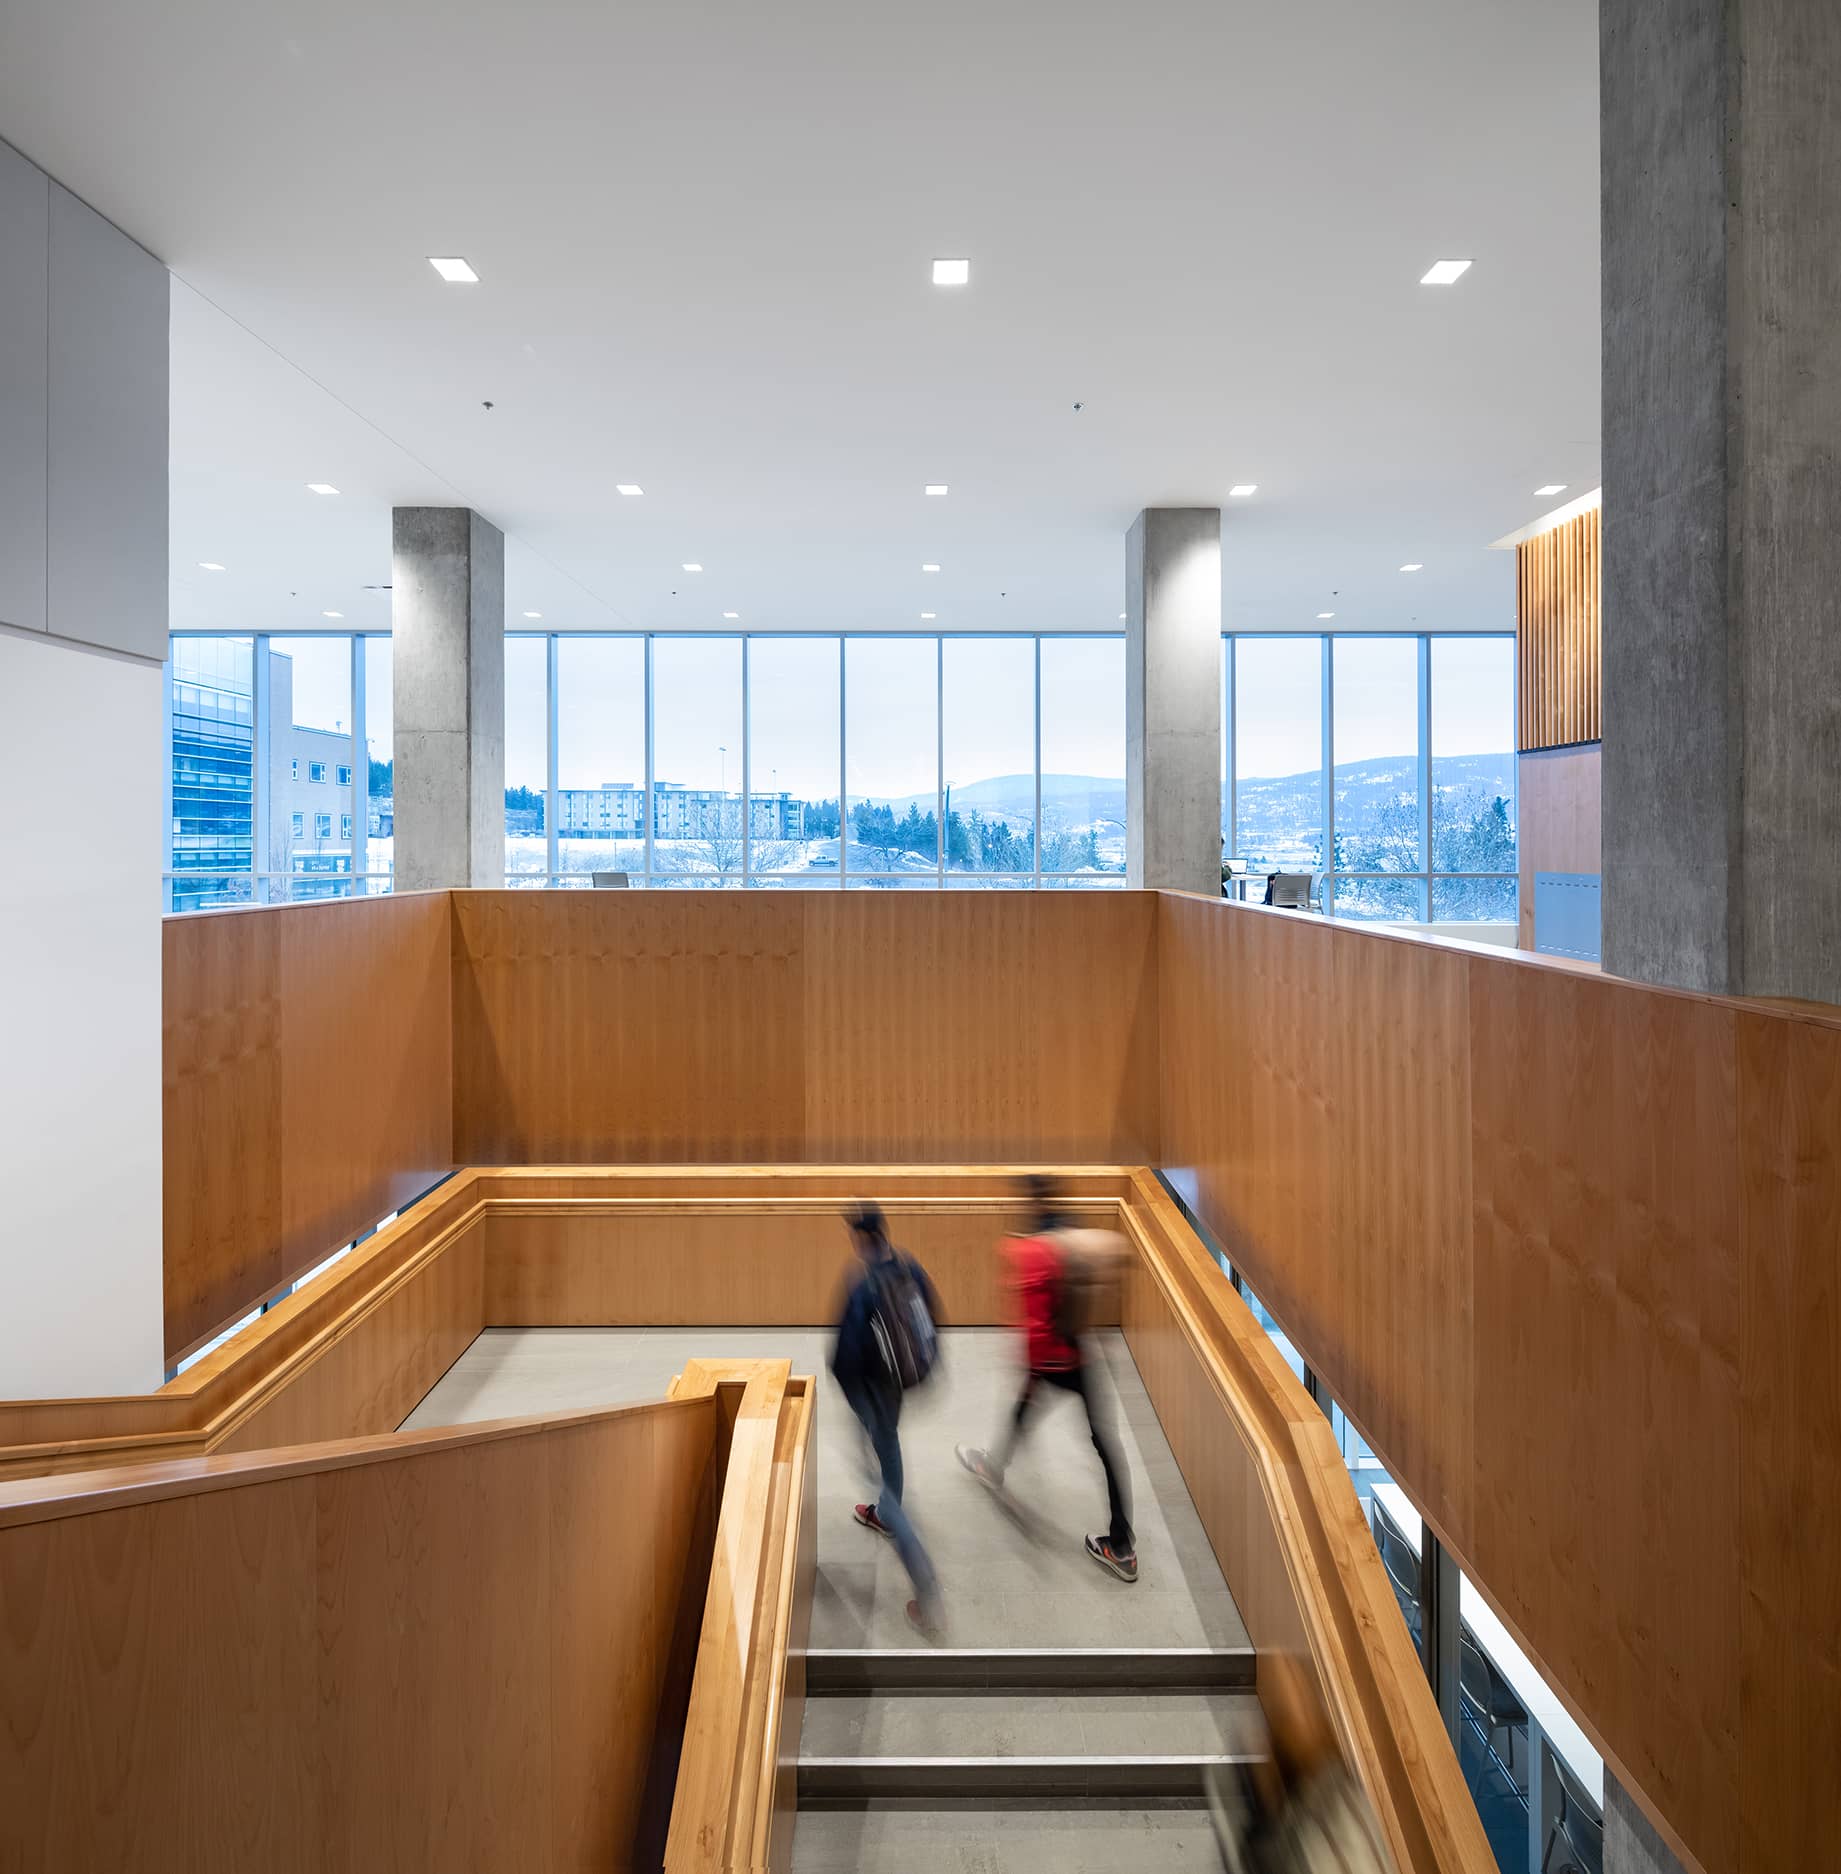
(1292, 891)
(610, 881)
(1491, 1705)
(1402, 1566)
(1578, 1827)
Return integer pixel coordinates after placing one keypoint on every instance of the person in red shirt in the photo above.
(1052, 1271)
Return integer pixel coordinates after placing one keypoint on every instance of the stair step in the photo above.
(1023, 1668)
(940, 1779)
(1003, 1840)
(982, 1724)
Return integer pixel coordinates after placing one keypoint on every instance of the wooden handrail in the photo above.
(1347, 1618)
(732, 1809)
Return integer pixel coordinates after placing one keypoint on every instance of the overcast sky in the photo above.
(895, 740)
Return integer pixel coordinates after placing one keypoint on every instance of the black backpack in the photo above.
(902, 1324)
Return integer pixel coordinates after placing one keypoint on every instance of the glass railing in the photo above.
(215, 891)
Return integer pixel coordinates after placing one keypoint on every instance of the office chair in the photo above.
(1577, 1825)
(1291, 891)
(610, 881)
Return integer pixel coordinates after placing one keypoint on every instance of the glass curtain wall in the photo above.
(676, 760)
(1416, 812)
(272, 794)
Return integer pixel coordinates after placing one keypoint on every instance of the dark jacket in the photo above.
(856, 1360)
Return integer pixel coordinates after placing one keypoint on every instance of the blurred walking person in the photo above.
(1056, 1271)
(887, 1344)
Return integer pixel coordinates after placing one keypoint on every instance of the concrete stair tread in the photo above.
(998, 1839)
(1063, 1668)
(894, 1724)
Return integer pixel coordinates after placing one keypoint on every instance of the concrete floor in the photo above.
(1021, 1580)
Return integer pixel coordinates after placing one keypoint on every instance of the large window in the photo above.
(889, 762)
(1277, 760)
(527, 760)
(1083, 760)
(1377, 804)
(794, 782)
(600, 756)
(697, 758)
(892, 758)
(211, 822)
(267, 777)
(1473, 779)
(988, 740)
(1418, 817)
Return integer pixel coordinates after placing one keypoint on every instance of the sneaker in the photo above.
(930, 1624)
(980, 1466)
(1122, 1562)
(866, 1515)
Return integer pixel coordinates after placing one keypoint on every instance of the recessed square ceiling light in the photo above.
(929, 567)
(731, 614)
(1552, 488)
(453, 270)
(628, 488)
(1413, 566)
(321, 488)
(1326, 614)
(952, 272)
(926, 615)
(936, 488)
(693, 566)
(209, 566)
(332, 614)
(1443, 272)
(533, 614)
(1241, 490)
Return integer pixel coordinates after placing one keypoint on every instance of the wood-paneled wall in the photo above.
(1557, 582)
(438, 1650)
(653, 1027)
(1565, 1248)
(308, 1090)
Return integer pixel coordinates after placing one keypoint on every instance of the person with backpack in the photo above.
(887, 1344)
(1054, 1271)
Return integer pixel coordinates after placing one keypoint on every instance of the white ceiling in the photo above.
(704, 235)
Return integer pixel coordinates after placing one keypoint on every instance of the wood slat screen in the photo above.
(1557, 580)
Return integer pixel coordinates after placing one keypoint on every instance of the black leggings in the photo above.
(1074, 1380)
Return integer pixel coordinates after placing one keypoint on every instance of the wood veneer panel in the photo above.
(685, 1265)
(1790, 1508)
(981, 1025)
(1606, 1399)
(366, 1066)
(308, 1090)
(1395, 1288)
(653, 1027)
(221, 1117)
(430, 1651)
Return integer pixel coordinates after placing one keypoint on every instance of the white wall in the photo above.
(83, 609)
(80, 1269)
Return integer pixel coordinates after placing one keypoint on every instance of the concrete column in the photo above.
(1173, 700)
(1721, 186)
(1631, 1844)
(447, 611)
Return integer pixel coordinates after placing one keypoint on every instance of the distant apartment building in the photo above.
(309, 795)
(617, 810)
